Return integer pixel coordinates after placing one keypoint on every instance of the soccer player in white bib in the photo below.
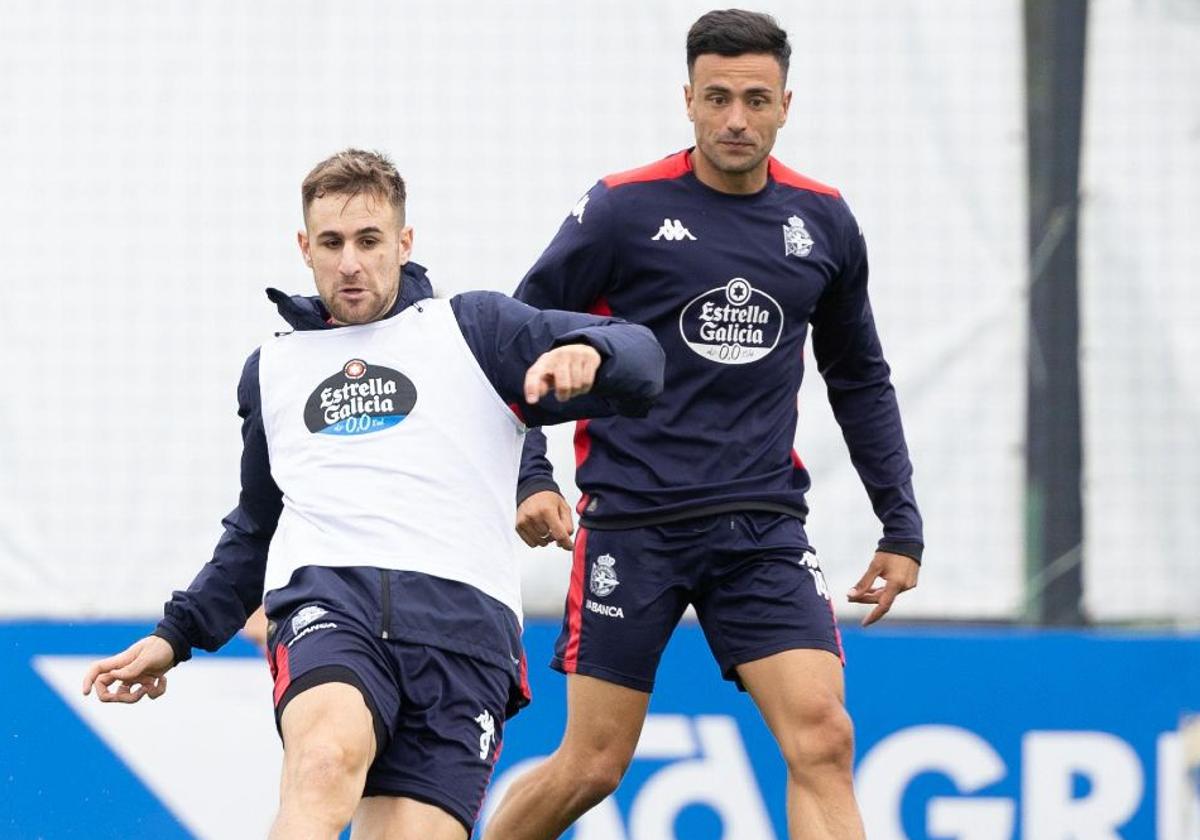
(381, 444)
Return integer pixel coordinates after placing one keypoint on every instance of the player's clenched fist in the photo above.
(569, 371)
(134, 673)
(544, 518)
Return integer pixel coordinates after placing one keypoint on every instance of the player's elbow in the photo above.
(647, 386)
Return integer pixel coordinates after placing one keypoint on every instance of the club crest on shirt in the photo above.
(733, 324)
(797, 241)
(604, 576)
(359, 399)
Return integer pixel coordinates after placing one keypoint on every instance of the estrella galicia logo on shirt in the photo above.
(359, 399)
(734, 324)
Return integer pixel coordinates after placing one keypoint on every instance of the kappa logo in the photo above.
(306, 616)
(487, 725)
(672, 230)
(580, 206)
(604, 576)
(809, 562)
(797, 242)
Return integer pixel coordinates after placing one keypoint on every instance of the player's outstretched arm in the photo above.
(545, 517)
(898, 573)
(136, 672)
(508, 338)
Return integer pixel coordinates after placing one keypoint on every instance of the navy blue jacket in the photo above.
(506, 337)
(729, 284)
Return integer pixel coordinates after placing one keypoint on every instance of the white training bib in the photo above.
(392, 450)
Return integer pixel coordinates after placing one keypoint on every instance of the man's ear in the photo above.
(406, 244)
(302, 241)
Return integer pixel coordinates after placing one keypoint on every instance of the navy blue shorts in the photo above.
(438, 715)
(751, 576)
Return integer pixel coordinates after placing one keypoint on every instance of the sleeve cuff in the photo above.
(908, 549)
(179, 645)
(587, 335)
(535, 485)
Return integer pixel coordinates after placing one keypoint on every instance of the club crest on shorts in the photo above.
(306, 616)
(487, 726)
(797, 242)
(604, 576)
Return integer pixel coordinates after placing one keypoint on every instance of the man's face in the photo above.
(737, 104)
(355, 246)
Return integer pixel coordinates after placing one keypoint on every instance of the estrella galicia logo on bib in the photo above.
(734, 324)
(359, 399)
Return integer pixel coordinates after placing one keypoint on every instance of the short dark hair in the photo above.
(352, 172)
(733, 32)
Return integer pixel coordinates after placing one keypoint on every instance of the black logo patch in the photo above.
(734, 324)
(360, 399)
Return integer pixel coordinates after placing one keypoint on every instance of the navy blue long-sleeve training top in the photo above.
(729, 284)
(505, 337)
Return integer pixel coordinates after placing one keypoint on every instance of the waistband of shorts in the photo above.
(643, 520)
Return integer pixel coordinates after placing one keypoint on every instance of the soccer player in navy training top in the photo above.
(728, 256)
(382, 439)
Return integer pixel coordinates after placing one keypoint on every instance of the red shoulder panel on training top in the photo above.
(783, 175)
(669, 167)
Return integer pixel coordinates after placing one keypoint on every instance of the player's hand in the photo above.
(569, 371)
(139, 670)
(899, 574)
(545, 517)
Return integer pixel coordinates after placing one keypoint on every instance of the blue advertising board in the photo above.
(961, 733)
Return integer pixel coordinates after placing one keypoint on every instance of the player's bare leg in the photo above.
(328, 744)
(400, 818)
(801, 695)
(604, 722)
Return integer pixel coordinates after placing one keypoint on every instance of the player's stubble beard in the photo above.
(372, 307)
(729, 164)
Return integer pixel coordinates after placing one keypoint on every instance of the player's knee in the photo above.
(821, 741)
(600, 780)
(597, 775)
(323, 768)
